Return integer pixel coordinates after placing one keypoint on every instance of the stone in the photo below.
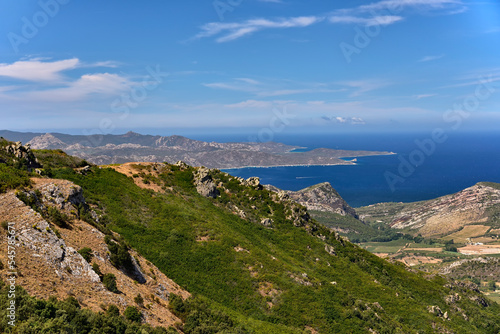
(204, 183)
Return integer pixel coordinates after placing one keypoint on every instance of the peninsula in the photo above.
(130, 147)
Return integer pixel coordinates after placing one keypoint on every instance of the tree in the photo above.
(86, 253)
(132, 314)
(492, 285)
(109, 281)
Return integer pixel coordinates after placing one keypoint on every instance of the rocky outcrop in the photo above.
(49, 265)
(23, 153)
(204, 183)
(61, 194)
(36, 235)
(320, 197)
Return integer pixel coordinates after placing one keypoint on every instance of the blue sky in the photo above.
(163, 67)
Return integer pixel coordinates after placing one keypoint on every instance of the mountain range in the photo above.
(130, 147)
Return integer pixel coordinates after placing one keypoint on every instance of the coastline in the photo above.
(348, 163)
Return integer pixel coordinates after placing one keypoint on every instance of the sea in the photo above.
(424, 167)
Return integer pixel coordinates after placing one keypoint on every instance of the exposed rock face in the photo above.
(21, 152)
(320, 197)
(444, 214)
(35, 234)
(204, 183)
(64, 195)
(252, 182)
(267, 222)
(49, 265)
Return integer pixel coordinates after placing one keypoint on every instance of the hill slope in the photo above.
(260, 264)
(442, 216)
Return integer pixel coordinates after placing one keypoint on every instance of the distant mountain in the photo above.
(130, 147)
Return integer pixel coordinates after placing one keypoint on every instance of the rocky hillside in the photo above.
(252, 260)
(131, 147)
(322, 197)
(49, 264)
(441, 216)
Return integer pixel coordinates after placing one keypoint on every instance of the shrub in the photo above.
(1, 265)
(56, 232)
(113, 311)
(132, 314)
(86, 253)
(97, 270)
(139, 300)
(57, 217)
(5, 225)
(109, 281)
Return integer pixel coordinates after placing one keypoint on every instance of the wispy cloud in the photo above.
(385, 12)
(359, 87)
(37, 70)
(366, 21)
(104, 84)
(424, 96)
(430, 58)
(231, 31)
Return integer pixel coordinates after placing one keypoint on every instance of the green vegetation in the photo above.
(65, 316)
(86, 253)
(286, 278)
(13, 178)
(132, 314)
(109, 281)
(119, 256)
(97, 270)
(52, 159)
(198, 317)
(139, 300)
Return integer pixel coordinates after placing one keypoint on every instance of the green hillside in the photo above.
(275, 270)
(274, 280)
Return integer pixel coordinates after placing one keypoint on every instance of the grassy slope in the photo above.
(165, 227)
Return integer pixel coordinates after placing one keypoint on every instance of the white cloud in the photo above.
(100, 83)
(46, 82)
(370, 21)
(398, 5)
(424, 96)
(37, 70)
(251, 104)
(363, 86)
(297, 91)
(430, 58)
(233, 31)
(385, 12)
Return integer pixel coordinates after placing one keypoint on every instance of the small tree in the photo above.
(97, 270)
(109, 281)
(86, 253)
(492, 285)
(113, 311)
(139, 300)
(132, 314)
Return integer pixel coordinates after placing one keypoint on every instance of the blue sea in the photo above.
(462, 160)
